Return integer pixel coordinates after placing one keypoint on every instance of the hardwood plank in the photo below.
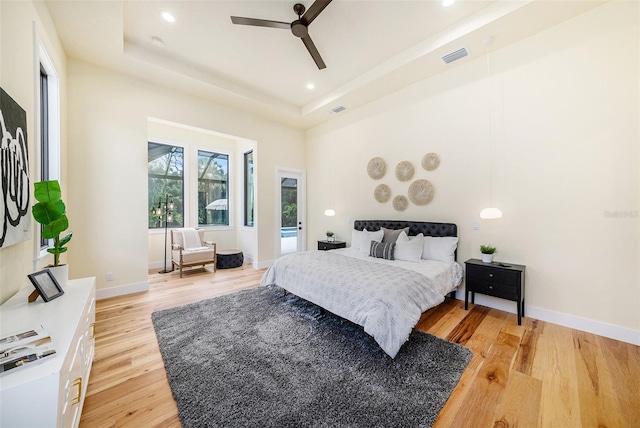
(488, 388)
(464, 330)
(521, 404)
(598, 401)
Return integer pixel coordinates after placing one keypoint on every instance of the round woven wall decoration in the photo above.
(421, 192)
(376, 168)
(404, 171)
(430, 161)
(400, 203)
(382, 193)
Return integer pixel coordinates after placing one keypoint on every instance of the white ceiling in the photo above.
(371, 48)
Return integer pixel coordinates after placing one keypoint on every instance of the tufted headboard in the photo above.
(415, 227)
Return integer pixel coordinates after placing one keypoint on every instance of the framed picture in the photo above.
(46, 285)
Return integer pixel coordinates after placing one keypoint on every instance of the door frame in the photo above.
(301, 176)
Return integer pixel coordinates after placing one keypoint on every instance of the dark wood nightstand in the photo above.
(504, 280)
(326, 245)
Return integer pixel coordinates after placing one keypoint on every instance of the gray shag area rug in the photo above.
(258, 358)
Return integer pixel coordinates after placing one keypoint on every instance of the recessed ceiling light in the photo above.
(168, 17)
(157, 41)
(447, 3)
(310, 86)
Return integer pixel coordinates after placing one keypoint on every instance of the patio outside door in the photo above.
(291, 209)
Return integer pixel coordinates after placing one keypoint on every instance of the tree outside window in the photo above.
(213, 189)
(166, 177)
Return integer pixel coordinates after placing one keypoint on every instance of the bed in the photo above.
(386, 297)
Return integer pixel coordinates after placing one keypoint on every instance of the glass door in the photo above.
(291, 209)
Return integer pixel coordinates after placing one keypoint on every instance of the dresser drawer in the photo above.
(492, 274)
(496, 289)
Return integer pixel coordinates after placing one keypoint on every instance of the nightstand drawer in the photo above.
(326, 245)
(496, 289)
(492, 274)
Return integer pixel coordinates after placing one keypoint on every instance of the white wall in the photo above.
(565, 111)
(108, 166)
(23, 27)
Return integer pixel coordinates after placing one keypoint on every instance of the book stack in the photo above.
(25, 349)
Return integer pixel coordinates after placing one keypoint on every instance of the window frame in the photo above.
(247, 194)
(48, 131)
(230, 187)
(185, 174)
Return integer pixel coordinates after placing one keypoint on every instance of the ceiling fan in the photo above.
(299, 27)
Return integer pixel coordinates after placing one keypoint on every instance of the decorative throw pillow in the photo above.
(441, 248)
(391, 235)
(382, 251)
(409, 248)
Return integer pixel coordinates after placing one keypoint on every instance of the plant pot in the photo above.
(331, 238)
(487, 258)
(61, 274)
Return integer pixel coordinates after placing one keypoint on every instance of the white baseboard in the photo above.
(121, 290)
(160, 264)
(262, 265)
(624, 334)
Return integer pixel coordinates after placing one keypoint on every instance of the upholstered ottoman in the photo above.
(229, 259)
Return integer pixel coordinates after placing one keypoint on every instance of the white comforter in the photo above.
(385, 297)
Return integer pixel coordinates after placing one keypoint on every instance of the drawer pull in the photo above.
(77, 382)
(490, 275)
(92, 335)
(491, 287)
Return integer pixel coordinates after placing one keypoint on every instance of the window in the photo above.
(213, 189)
(248, 189)
(166, 184)
(48, 150)
(44, 137)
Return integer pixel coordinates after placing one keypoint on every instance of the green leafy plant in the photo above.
(487, 249)
(51, 212)
(329, 233)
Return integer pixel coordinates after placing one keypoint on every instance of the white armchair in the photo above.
(188, 249)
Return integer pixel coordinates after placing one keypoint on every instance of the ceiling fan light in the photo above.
(329, 212)
(490, 213)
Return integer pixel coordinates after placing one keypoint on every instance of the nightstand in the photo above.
(504, 280)
(326, 245)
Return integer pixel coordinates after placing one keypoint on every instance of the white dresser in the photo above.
(51, 393)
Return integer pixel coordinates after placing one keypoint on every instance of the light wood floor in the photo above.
(535, 375)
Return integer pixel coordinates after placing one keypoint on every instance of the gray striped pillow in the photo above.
(382, 251)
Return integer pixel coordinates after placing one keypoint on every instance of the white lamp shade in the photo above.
(490, 213)
(329, 212)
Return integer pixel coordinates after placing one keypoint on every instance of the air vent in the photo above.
(453, 56)
(338, 109)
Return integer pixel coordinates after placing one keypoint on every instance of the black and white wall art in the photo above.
(15, 218)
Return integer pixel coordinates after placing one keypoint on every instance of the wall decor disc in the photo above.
(430, 161)
(382, 193)
(421, 192)
(400, 203)
(376, 168)
(404, 171)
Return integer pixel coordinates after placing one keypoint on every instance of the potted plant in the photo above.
(51, 212)
(487, 253)
(330, 237)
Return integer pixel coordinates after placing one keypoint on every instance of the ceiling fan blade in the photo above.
(314, 10)
(260, 22)
(314, 52)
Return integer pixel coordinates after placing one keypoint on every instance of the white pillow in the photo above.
(409, 249)
(440, 248)
(362, 240)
